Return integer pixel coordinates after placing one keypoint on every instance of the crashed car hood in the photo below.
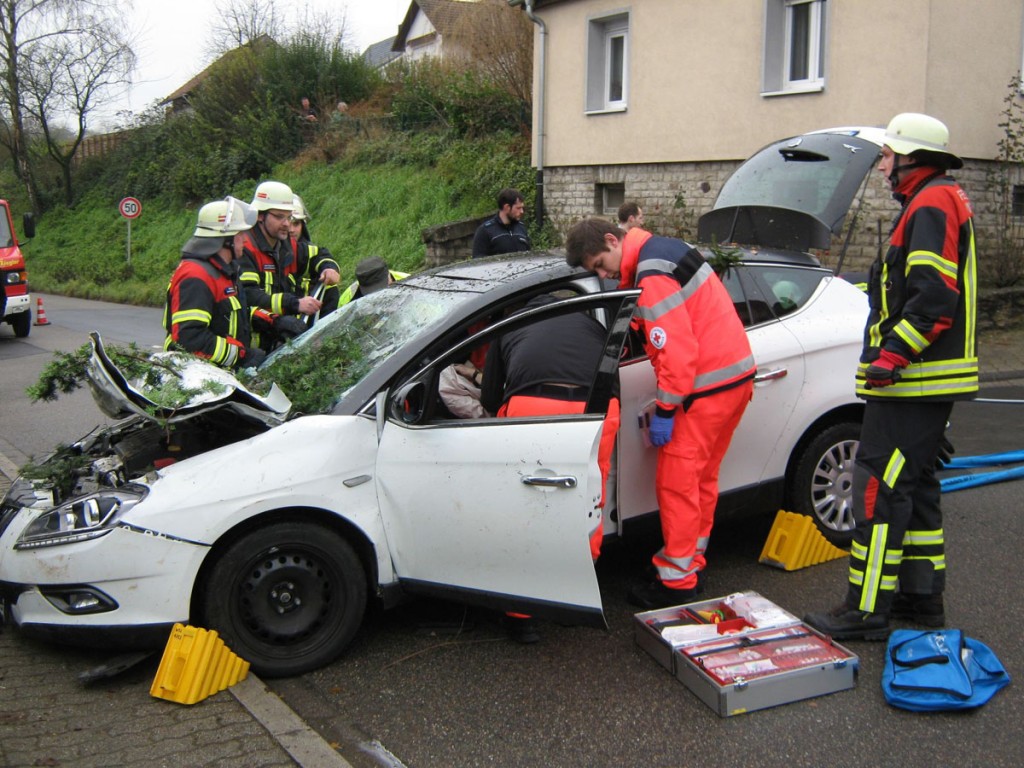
(208, 388)
(794, 194)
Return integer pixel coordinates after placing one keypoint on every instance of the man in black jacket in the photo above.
(504, 232)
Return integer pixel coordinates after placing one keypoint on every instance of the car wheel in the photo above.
(822, 482)
(287, 598)
(22, 324)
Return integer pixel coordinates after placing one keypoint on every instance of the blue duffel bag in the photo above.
(940, 669)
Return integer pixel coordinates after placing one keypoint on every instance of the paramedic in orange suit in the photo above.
(705, 370)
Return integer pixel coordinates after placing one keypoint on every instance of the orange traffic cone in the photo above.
(40, 313)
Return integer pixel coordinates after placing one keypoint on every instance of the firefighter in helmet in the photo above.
(206, 312)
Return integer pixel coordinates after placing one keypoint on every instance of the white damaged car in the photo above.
(274, 509)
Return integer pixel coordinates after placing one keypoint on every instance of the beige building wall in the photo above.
(696, 67)
(695, 108)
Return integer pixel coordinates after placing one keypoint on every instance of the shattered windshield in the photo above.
(319, 367)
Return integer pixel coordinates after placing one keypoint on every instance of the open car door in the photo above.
(498, 511)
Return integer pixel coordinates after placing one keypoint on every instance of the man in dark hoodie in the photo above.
(206, 312)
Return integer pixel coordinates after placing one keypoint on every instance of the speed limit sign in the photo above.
(130, 208)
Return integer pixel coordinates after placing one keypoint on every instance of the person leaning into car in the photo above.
(705, 370)
(542, 369)
(919, 357)
(206, 311)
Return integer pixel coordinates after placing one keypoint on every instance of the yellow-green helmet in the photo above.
(910, 132)
(223, 218)
(273, 195)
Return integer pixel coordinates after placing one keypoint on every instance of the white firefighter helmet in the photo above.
(273, 195)
(299, 212)
(223, 218)
(910, 131)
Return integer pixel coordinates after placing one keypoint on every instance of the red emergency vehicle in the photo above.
(18, 311)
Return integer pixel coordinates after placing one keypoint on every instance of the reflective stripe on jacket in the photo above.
(923, 297)
(205, 312)
(692, 333)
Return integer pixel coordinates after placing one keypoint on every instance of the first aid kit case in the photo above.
(742, 652)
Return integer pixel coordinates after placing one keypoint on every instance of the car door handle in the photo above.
(777, 373)
(556, 481)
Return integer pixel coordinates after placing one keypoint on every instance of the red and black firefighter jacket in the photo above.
(923, 294)
(310, 262)
(206, 312)
(266, 274)
(691, 331)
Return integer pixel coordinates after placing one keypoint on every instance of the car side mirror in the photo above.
(408, 404)
(28, 225)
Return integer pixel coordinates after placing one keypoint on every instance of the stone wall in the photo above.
(447, 243)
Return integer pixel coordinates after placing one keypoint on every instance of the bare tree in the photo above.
(66, 80)
(238, 22)
(497, 40)
(58, 58)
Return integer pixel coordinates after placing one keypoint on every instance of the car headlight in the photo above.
(81, 519)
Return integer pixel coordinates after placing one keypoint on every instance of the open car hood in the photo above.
(794, 194)
(180, 386)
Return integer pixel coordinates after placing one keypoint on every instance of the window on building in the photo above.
(794, 46)
(1017, 203)
(608, 198)
(608, 63)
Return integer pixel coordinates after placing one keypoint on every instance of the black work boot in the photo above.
(653, 594)
(926, 610)
(844, 623)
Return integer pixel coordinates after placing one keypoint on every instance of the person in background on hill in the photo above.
(630, 215)
(919, 356)
(306, 111)
(206, 313)
(372, 275)
(313, 263)
(267, 270)
(704, 369)
(504, 232)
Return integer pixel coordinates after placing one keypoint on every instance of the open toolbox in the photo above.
(742, 652)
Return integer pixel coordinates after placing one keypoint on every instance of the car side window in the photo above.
(455, 385)
(787, 289)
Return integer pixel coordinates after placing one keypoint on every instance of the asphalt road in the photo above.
(441, 696)
(433, 684)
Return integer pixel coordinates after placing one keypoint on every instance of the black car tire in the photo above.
(288, 598)
(22, 324)
(822, 483)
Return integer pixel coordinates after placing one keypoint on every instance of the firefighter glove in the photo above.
(661, 427)
(253, 357)
(288, 327)
(885, 371)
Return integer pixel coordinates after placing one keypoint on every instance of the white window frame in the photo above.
(779, 41)
(602, 33)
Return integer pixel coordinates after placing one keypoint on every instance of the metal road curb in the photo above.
(304, 745)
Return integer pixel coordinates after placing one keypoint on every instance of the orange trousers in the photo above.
(687, 482)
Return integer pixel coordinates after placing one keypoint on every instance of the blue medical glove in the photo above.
(660, 431)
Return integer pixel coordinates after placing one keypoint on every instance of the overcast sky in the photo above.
(172, 39)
